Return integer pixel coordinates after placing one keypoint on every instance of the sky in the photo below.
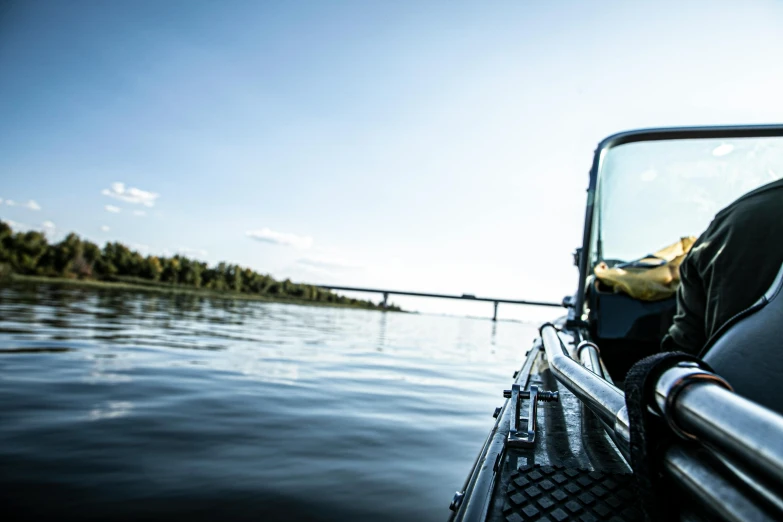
(433, 146)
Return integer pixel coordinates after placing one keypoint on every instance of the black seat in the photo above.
(748, 350)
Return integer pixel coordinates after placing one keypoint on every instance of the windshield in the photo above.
(652, 193)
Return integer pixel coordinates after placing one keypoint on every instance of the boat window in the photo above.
(650, 194)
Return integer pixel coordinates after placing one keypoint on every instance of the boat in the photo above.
(564, 445)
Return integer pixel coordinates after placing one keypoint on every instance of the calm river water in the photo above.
(127, 406)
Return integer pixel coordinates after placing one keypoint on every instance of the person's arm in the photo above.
(687, 333)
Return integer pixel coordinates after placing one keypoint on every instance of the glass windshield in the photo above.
(650, 194)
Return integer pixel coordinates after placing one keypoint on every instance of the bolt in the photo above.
(456, 502)
(507, 394)
(497, 412)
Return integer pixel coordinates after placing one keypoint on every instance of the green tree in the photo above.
(135, 266)
(26, 250)
(190, 272)
(151, 269)
(6, 240)
(170, 273)
(29, 253)
(116, 259)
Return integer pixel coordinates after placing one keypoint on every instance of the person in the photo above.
(731, 265)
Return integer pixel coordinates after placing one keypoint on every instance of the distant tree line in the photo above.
(29, 253)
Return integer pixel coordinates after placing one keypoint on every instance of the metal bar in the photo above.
(468, 297)
(584, 257)
(717, 493)
(590, 358)
(748, 434)
(691, 133)
(604, 399)
(763, 490)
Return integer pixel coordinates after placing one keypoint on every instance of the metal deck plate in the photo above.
(558, 493)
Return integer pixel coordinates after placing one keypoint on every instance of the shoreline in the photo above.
(171, 289)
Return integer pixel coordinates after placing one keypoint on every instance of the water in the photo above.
(126, 406)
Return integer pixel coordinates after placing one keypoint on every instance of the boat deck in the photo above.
(573, 472)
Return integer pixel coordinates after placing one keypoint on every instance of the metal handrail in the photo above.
(590, 357)
(603, 398)
(698, 405)
(706, 481)
(748, 434)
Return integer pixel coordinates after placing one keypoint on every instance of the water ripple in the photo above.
(126, 405)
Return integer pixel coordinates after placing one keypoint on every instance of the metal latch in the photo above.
(516, 437)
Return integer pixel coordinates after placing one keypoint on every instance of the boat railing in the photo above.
(603, 398)
(736, 472)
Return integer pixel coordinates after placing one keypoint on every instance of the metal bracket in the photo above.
(516, 436)
(676, 379)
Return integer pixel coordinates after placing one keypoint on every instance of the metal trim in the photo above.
(746, 433)
(604, 399)
(673, 382)
(589, 355)
(714, 487)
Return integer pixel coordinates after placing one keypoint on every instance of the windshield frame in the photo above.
(577, 313)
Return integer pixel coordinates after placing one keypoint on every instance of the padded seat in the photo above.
(747, 351)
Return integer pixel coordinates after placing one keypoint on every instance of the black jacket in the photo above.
(729, 267)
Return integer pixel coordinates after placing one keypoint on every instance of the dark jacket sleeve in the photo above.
(688, 332)
(729, 267)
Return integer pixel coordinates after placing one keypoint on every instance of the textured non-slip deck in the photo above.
(557, 493)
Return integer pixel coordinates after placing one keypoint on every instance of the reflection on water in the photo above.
(124, 405)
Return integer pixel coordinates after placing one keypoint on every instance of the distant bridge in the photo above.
(469, 297)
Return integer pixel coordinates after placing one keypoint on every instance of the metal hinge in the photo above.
(516, 436)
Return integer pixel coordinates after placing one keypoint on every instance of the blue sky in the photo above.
(427, 145)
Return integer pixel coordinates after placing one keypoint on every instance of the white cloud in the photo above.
(131, 194)
(31, 204)
(139, 247)
(191, 252)
(48, 228)
(105, 228)
(16, 226)
(112, 209)
(139, 213)
(722, 149)
(280, 238)
(327, 263)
